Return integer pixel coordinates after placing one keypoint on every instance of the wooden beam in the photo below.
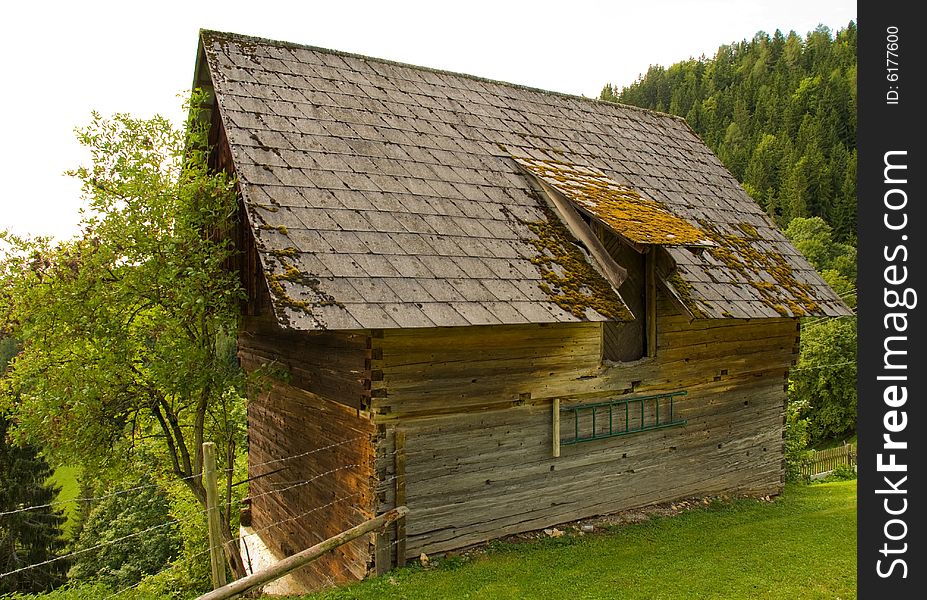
(381, 558)
(650, 300)
(676, 301)
(555, 430)
(602, 260)
(602, 226)
(400, 496)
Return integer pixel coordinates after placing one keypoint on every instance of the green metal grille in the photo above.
(600, 420)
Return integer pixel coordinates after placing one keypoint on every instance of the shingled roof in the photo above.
(385, 195)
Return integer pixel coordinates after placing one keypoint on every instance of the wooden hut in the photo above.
(503, 307)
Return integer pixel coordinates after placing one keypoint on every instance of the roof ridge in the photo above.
(518, 86)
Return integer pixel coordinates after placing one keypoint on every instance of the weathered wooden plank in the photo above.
(400, 468)
(318, 458)
(334, 365)
(408, 396)
(728, 347)
(681, 336)
(622, 494)
(479, 434)
(676, 322)
(555, 429)
(499, 448)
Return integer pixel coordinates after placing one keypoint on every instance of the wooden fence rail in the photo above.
(291, 563)
(824, 461)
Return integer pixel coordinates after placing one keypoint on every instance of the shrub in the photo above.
(797, 454)
(125, 562)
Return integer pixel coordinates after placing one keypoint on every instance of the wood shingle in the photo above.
(394, 190)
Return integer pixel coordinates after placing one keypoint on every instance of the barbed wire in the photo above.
(239, 539)
(302, 483)
(100, 545)
(307, 453)
(181, 479)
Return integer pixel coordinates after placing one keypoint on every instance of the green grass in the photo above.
(801, 546)
(66, 477)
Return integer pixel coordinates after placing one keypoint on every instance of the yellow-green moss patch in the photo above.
(784, 294)
(568, 279)
(288, 252)
(278, 228)
(289, 272)
(749, 230)
(621, 208)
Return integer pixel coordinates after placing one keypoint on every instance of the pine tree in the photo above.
(33, 536)
(800, 92)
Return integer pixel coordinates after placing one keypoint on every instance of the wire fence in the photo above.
(278, 487)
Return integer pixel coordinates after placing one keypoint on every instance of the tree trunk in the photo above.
(233, 553)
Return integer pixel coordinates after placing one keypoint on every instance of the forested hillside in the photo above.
(780, 112)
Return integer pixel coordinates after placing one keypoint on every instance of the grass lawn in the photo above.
(802, 545)
(66, 477)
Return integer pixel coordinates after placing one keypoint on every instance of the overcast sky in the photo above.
(63, 60)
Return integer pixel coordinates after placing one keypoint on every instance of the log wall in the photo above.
(475, 408)
(310, 448)
(301, 501)
(333, 365)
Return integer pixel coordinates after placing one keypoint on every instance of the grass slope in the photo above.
(66, 477)
(801, 546)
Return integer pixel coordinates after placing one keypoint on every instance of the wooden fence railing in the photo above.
(823, 461)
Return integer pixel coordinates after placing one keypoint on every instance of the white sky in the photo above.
(62, 60)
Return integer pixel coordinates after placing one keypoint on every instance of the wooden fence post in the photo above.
(210, 482)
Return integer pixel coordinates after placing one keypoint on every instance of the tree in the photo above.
(122, 327)
(823, 384)
(778, 111)
(117, 517)
(822, 387)
(815, 240)
(28, 537)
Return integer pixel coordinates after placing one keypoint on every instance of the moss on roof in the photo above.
(569, 280)
(619, 207)
(785, 293)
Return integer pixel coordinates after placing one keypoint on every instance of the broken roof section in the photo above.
(620, 208)
(384, 195)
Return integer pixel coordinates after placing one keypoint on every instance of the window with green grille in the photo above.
(600, 420)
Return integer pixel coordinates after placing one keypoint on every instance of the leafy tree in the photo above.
(29, 537)
(124, 563)
(823, 384)
(121, 327)
(814, 238)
